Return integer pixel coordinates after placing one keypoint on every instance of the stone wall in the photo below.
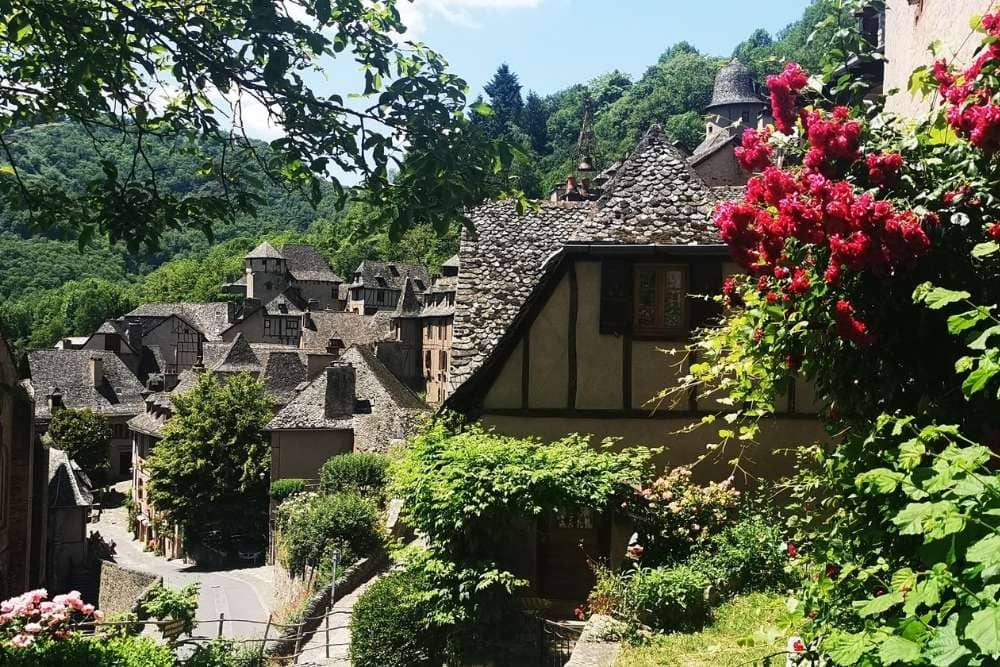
(594, 649)
(910, 27)
(122, 589)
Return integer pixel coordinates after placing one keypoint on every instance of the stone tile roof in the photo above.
(281, 367)
(501, 263)
(409, 303)
(655, 198)
(264, 251)
(390, 275)
(385, 409)
(68, 485)
(734, 84)
(307, 263)
(145, 422)
(286, 303)
(119, 395)
(352, 328)
(716, 141)
(211, 319)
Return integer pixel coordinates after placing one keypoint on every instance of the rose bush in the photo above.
(869, 245)
(31, 617)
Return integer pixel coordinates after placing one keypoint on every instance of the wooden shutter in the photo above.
(705, 279)
(616, 297)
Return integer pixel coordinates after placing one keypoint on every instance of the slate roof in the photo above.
(211, 319)
(264, 251)
(68, 485)
(286, 303)
(409, 305)
(734, 84)
(146, 422)
(69, 370)
(307, 263)
(390, 275)
(723, 138)
(501, 263)
(385, 409)
(655, 198)
(352, 328)
(281, 367)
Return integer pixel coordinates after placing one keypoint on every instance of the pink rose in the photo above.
(33, 628)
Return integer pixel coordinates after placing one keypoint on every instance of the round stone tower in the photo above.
(736, 100)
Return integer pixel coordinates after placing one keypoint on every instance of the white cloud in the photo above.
(418, 14)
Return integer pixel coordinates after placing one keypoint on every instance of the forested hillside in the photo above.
(50, 288)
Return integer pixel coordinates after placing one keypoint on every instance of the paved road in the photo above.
(314, 651)
(243, 593)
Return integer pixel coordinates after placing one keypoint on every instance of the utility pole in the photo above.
(333, 598)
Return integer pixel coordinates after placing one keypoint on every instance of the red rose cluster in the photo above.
(816, 207)
(754, 153)
(972, 111)
(785, 89)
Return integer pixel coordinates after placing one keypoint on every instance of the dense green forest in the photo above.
(50, 288)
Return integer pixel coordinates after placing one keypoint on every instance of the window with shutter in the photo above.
(660, 303)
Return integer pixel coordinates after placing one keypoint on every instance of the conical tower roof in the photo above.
(734, 84)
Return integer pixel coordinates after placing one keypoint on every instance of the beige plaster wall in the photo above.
(722, 169)
(599, 357)
(763, 460)
(506, 391)
(299, 454)
(548, 360)
(910, 29)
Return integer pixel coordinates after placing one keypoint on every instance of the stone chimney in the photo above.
(335, 346)
(133, 331)
(96, 371)
(55, 399)
(230, 312)
(341, 383)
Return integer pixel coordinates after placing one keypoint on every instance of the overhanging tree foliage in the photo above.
(84, 435)
(185, 72)
(210, 471)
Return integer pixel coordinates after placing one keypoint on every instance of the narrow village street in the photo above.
(240, 593)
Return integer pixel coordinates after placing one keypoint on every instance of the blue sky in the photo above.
(552, 44)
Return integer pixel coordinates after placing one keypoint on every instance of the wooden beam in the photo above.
(574, 307)
(525, 367)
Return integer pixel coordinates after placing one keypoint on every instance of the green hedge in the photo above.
(671, 598)
(389, 625)
(283, 488)
(358, 471)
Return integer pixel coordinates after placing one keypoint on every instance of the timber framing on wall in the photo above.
(468, 398)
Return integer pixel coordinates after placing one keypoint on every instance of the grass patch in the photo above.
(743, 631)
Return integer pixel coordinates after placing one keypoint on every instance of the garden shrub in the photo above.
(670, 598)
(312, 525)
(364, 472)
(282, 489)
(390, 624)
(676, 515)
(76, 650)
(748, 555)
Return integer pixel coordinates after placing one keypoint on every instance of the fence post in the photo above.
(267, 629)
(222, 619)
(333, 599)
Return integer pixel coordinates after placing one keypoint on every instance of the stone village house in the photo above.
(92, 379)
(560, 321)
(561, 313)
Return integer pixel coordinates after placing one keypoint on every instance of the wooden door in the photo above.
(565, 541)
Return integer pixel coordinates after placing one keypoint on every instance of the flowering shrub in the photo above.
(31, 617)
(676, 514)
(871, 258)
